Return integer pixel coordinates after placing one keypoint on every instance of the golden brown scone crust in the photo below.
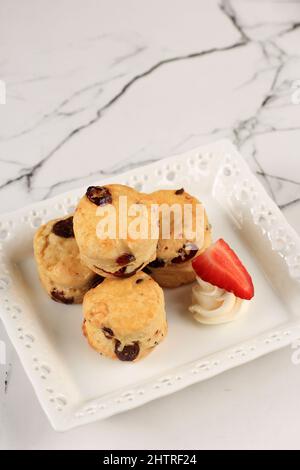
(164, 270)
(61, 271)
(127, 315)
(174, 275)
(101, 255)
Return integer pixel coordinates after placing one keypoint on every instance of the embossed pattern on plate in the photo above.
(75, 385)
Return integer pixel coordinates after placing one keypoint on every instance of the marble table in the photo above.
(94, 88)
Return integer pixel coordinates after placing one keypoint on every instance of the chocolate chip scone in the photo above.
(61, 271)
(119, 254)
(173, 264)
(125, 318)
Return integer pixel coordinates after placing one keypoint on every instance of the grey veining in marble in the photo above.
(95, 88)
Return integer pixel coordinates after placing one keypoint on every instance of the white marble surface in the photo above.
(94, 88)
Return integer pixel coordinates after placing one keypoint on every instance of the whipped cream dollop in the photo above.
(212, 305)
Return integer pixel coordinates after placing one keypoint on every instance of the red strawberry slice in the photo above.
(220, 266)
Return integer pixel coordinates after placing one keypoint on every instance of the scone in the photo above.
(120, 254)
(173, 264)
(125, 318)
(61, 271)
(172, 275)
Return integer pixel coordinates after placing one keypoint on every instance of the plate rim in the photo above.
(200, 369)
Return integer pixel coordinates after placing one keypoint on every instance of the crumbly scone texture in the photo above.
(61, 271)
(174, 275)
(168, 249)
(125, 313)
(103, 255)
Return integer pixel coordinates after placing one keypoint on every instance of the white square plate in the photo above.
(73, 383)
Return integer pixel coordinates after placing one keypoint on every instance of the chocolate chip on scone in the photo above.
(129, 352)
(125, 259)
(63, 275)
(99, 195)
(125, 319)
(172, 266)
(59, 296)
(179, 191)
(187, 252)
(117, 254)
(64, 228)
(108, 332)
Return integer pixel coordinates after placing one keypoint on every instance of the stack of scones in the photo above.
(114, 255)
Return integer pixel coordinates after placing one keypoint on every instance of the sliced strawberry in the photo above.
(220, 266)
